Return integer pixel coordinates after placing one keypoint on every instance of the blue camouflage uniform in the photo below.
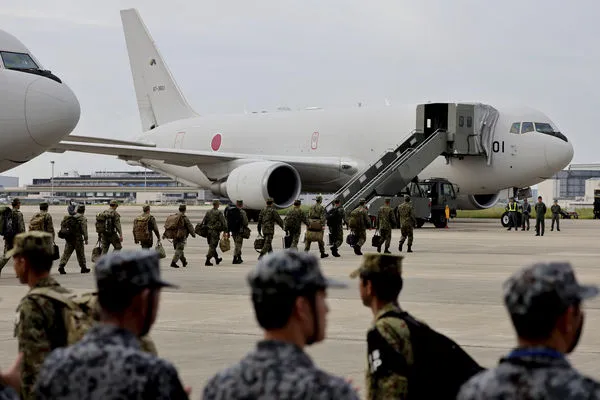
(536, 372)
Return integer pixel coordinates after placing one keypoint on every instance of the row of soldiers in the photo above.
(540, 213)
(108, 359)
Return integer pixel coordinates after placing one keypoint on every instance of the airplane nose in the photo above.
(51, 110)
(558, 154)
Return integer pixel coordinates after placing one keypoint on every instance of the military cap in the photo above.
(216, 202)
(113, 203)
(182, 207)
(379, 263)
(288, 271)
(43, 204)
(269, 200)
(32, 242)
(297, 202)
(239, 202)
(407, 198)
(319, 198)
(130, 271)
(146, 208)
(556, 200)
(16, 202)
(387, 199)
(526, 289)
(80, 208)
(362, 200)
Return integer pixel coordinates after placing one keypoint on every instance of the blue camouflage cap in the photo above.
(129, 270)
(288, 271)
(527, 287)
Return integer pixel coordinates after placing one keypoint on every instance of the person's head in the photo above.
(380, 278)
(337, 202)
(544, 304)
(288, 293)
(270, 201)
(539, 199)
(239, 203)
(216, 203)
(16, 203)
(524, 200)
(319, 199)
(512, 199)
(362, 201)
(555, 201)
(387, 201)
(44, 206)
(407, 199)
(129, 286)
(146, 209)
(81, 209)
(297, 203)
(113, 204)
(182, 208)
(32, 254)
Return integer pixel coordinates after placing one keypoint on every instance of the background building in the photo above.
(573, 186)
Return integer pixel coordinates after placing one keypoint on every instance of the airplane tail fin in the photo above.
(158, 96)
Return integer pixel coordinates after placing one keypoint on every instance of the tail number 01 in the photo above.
(498, 147)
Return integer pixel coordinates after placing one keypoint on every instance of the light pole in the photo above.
(52, 183)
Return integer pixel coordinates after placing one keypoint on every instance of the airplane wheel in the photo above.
(505, 220)
(439, 221)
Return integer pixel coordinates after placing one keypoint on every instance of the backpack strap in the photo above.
(53, 295)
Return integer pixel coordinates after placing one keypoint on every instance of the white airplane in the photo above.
(259, 155)
(37, 110)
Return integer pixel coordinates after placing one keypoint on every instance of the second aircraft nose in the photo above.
(51, 110)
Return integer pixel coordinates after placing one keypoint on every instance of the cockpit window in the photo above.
(527, 127)
(17, 60)
(547, 129)
(515, 128)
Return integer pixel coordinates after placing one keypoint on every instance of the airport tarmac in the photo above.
(452, 281)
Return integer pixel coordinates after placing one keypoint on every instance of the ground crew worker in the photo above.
(293, 223)
(288, 294)
(335, 220)
(511, 207)
(179, 244)
(267, 219)
(316, 224)
(540, 213)
(108, 362)
(40, 327)
(526, 214)
(16, 226)
(545, 306)
(237, 223)
(46, 221)
(386, 221)
(216, 223)
(113, 235)
(408, 221)
(363, 223)
(152, 228)
(76, 242)
(556, 213)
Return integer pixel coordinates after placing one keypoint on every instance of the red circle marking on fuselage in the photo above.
(215, 144)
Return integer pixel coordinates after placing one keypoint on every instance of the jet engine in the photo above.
(257, 181)
(477, 201)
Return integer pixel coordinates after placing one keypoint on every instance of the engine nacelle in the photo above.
(257, 181)
(477, 201)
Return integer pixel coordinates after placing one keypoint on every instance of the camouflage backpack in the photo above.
(141, 229)
(69, 227)
(174, 228)
(38, 222)
(7, 222)
(105, 222)
(355, 221)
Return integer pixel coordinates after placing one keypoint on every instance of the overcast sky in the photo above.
(232, 55)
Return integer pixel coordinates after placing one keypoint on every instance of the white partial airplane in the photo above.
(37, 110)
(259, 155)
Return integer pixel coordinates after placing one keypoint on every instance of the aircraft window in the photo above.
(461, 121)
(469, 122)
(515, 128)
(527, 127)
(543, 127)
(17, 60)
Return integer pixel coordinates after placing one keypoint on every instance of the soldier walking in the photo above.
(42, 221)
(335, 220)
(540, 213)
(386, 221)
(216, 223)
(15, 225)
(180, 242)
(555, 209)
(77, 236)
(408, 221)
(143, 227)
(293, 223)
(237, 223)
(316, 225)
(267, 219)
(526, 214)
(112, 233)
(359, 222)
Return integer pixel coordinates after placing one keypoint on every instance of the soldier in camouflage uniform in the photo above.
(179, 244)
(115, 236)
(364, 224)
(544, 303)
(293, 223)
(108, 362)
(386, 221)
(380, 285)
(18, 227)
(40, 327)
(237, 222)
(48, 225)
(317, 215)
(284, 285)
(555, 209)
(408, 221)
(152, 228)
(267, 219)
(336, 218)
(76, 243)
(216, 223)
